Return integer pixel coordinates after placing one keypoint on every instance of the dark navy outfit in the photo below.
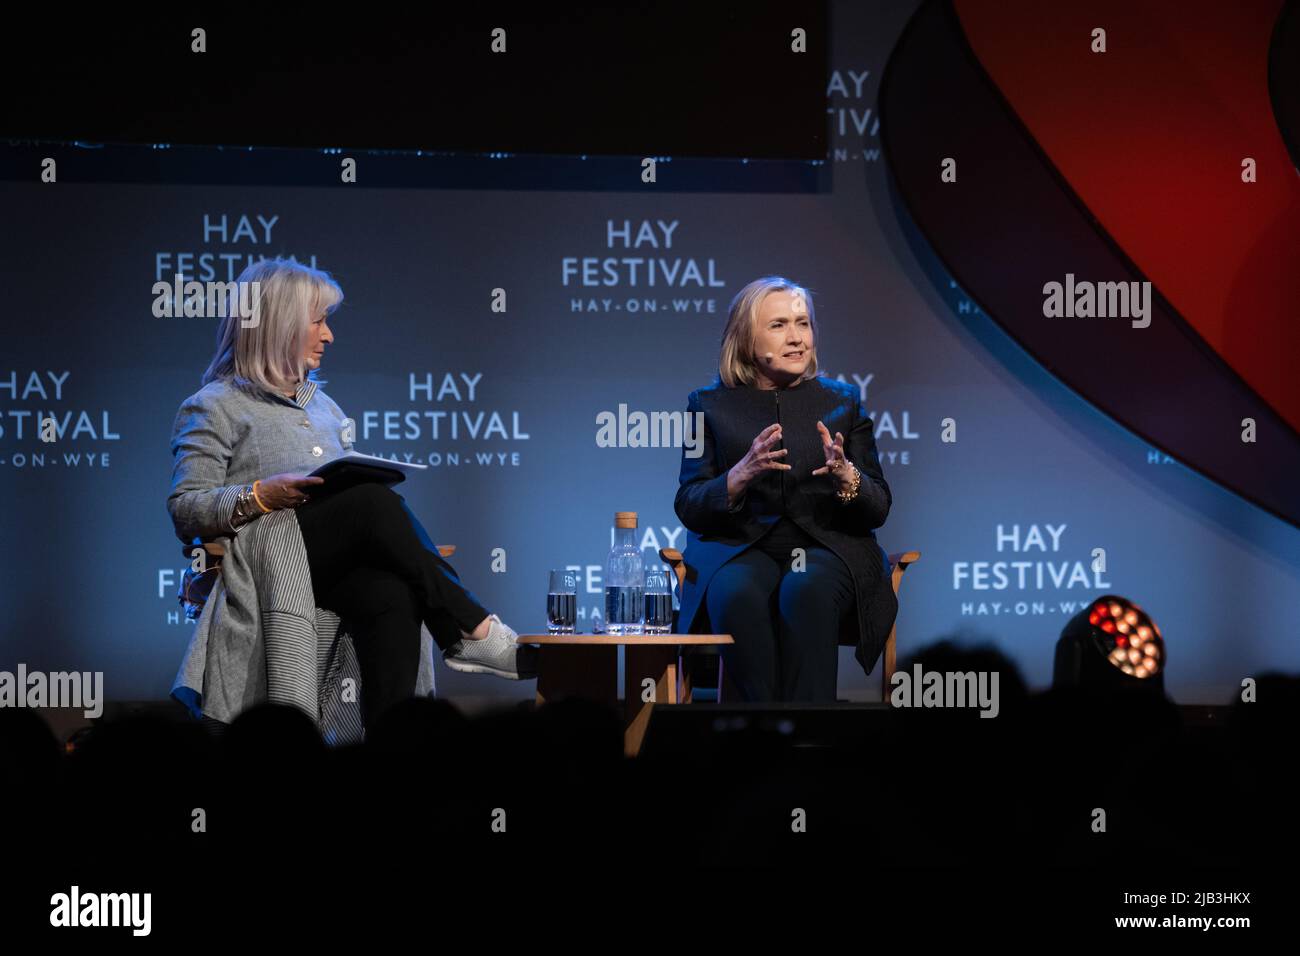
(741, 578)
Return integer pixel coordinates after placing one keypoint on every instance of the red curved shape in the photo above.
(1151, 136)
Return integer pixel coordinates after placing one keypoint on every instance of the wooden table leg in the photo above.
(640, 661)
(578, 670)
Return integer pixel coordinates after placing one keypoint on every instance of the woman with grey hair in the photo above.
(781, 506)
(243, 445)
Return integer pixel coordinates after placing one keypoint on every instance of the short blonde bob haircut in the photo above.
(268, 355)
(736, 361)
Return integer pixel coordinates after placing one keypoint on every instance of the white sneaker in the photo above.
(499, 653)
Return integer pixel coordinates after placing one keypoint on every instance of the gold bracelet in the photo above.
(847, 496)
(265, 509)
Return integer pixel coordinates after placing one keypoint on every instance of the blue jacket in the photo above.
(733, 417)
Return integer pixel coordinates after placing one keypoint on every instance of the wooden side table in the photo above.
(586, 665)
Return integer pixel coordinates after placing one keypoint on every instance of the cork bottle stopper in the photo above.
(624, 519)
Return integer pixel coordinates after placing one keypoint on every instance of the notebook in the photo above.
(356, 468)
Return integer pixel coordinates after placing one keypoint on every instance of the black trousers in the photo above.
(374, 565)
(785, 622)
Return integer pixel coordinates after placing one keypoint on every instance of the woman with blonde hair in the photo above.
(243, 445)
(781, 506)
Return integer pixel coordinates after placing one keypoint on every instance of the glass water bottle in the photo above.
(624, 578)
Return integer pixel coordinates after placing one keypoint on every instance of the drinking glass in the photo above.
(658, 602)
(562, 602)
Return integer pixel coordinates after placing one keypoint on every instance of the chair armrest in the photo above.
(213, 548)
(898, 563)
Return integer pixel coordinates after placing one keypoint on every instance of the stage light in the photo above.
(1111, 643)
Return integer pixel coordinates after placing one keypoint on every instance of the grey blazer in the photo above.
(261, 636)
(226, 437)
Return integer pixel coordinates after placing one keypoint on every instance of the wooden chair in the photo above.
(898, 563)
